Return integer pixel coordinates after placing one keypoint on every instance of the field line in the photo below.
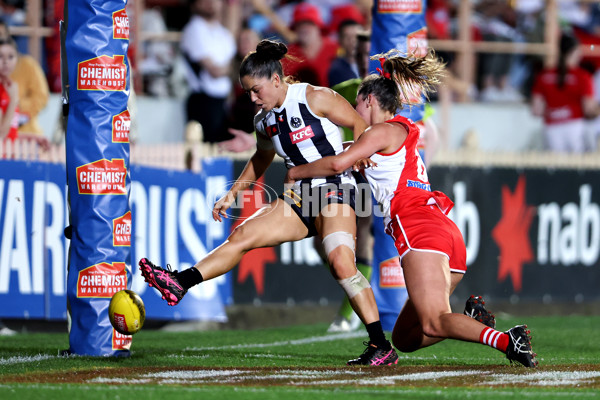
(25, 359)
(294, 342)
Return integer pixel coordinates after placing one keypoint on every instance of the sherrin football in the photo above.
(126, 312)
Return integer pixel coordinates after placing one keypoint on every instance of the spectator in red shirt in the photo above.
(564, 97)
(313, 50)
(9, 90)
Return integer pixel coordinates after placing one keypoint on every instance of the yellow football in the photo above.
(126, 312)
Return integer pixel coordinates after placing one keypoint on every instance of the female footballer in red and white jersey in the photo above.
(432, 250)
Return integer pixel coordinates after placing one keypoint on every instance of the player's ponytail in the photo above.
(265, 61)
(403, 79)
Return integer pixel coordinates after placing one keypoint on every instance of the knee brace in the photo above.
(335, 239)
(354, 285)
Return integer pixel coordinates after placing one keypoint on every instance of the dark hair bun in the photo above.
(567, 42)
(271, 50)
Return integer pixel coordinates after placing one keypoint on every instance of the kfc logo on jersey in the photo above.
(295, 122)
(302, 134)
(120, 25)
(399, 6)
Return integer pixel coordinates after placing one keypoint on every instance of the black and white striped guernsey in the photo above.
(299, 136)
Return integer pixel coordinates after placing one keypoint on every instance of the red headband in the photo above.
(380, 70)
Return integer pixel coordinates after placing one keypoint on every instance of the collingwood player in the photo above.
(300, 123)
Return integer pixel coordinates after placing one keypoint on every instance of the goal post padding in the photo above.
(95, 40)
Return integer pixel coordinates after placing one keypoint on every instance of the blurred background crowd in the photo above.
(190, 50)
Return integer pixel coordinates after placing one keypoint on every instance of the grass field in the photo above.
(303, 362)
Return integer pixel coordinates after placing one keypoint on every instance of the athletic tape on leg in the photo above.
(354, 285)
(335, 239)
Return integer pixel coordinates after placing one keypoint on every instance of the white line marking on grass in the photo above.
(319, 393)
(295, 342)
(391, 380)
(187, 375)
(309, 377)
(273, 356)
(550, 378)
(25, 359)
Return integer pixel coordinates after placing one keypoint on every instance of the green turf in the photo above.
(559, 341)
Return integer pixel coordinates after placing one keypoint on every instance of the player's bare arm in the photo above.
(327, 103)
(254, 169)
(374, 139)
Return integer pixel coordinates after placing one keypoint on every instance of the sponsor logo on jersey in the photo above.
(390, 273)
(102, 73)
(295, 122)
(102, 280)
(419, 185)
(122, 230)
(302, 134)
(400, 6)
(102, 177)
(271, 130)
(120, 127)
(333, 193)
(120, 24)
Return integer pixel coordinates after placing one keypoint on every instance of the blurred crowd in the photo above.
(322, 35)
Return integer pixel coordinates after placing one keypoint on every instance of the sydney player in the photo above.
(431, 248)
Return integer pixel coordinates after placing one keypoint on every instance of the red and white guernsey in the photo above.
(400, 176)
(414, 216)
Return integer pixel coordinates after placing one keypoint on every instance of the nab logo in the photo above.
(302, 134)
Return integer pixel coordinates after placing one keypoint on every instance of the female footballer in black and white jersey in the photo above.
(300, 123)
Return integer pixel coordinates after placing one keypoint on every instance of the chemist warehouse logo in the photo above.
(120, 25)
(102, 177)
(120, 341)
(120, 127)
(399, 6)
(417, 42)
(102, 280)
(122, 230)
(102, 73)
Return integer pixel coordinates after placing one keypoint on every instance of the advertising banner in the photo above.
(33, 248)
(170, 222)
(173, 224)
(532, 235)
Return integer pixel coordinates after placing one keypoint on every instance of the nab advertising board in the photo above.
(532, 235)
(170, 222)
